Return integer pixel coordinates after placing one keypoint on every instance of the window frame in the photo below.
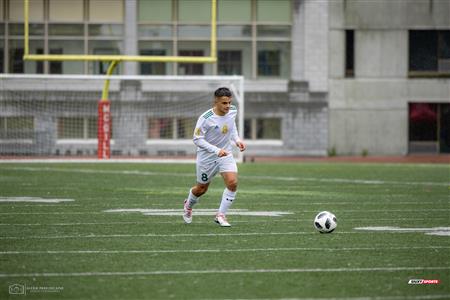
(428, 73)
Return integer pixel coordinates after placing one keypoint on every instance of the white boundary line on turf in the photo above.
(99, 161)
(54, 213)
(81, 223)
(153, 235)
(303, 211)
(33, 200)
(420, 297)
(145, 173)
(50, 205)
(52, 252)
(207, 222)
(214, 271)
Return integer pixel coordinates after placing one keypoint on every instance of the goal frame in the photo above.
(237, 87)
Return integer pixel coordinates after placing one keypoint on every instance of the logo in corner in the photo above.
(17, 289)
(424, 281)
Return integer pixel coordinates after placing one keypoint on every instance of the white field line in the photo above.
(51, 205)
(440, 231)
(154, 235)
(245, 212)
(272, 178)
(420, 297)
(198, 212)
(32, 200)
(53, 213)
(399, 229)
(296, 249)
(209, 222)
(418, 210)
(83, 224)
(215, 271)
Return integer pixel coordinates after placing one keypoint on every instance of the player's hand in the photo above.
(241, 146)
(222, 153)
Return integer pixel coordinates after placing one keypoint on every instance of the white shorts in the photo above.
(206, 170)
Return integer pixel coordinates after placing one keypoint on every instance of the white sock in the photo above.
(192, 199)
(227, 199)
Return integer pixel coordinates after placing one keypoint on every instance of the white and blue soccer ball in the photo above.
(325, 222)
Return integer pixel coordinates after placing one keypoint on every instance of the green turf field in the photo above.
(78, 250)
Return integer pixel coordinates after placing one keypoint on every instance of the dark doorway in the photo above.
(429, 128)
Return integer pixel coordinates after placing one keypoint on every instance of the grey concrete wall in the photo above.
(372, 114)
(370, 111)
(381, 53)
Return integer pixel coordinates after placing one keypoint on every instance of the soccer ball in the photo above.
(325, 222)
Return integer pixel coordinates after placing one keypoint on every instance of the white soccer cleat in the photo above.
(221, 220)
(187, 215)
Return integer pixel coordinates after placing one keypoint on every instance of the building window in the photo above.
(16, 62)
(273, 11)
(16, 128)
(273, 59)
(154, 68)
(194, 11)
(155, 11)
(155, 31)
(60, 46)
(239, 11)
(160, 128)
(349, 53)
(64, 10)
(16, 59)
(103, 11)
(77, 128)
(171, 128)
(190, 69)
(1, 58)
(429, 129)
(230, 62)
(262, 129)
(269, 63)
(429, 52)
(56, 67)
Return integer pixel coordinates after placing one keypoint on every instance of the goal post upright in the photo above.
(104, 121)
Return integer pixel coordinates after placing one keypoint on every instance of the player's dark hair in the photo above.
(222, 92)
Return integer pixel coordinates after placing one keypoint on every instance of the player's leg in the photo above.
(195, 192)
(205, 173)
(228, 170)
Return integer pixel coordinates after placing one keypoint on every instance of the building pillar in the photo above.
(298, 41)
(307, 125)
(130, 39)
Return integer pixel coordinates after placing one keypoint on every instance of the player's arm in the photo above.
(200, 141)
(236, 139)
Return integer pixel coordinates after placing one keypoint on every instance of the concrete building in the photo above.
(321, 77)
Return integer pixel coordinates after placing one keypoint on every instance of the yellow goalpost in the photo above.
(104, 110)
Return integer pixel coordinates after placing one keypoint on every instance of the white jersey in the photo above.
(214, 132)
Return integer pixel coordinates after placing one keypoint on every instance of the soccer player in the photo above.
(213, 135)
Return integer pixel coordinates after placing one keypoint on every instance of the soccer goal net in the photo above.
(151, 117)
